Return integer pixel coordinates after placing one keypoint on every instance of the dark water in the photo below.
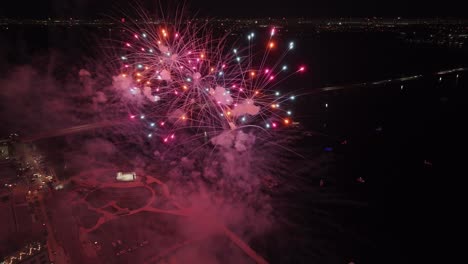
(400, 141)
(404, 144)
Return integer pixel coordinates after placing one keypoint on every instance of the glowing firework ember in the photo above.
(194, 81)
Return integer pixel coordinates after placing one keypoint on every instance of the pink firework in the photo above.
(195, 80)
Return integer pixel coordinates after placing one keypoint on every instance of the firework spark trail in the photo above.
(187, 73)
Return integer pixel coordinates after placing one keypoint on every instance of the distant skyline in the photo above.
(236, 9)
(252, 20)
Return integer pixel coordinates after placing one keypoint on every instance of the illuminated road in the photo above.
(72, 130)
(394, 80)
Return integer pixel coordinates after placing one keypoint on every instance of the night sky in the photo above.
(239, 8)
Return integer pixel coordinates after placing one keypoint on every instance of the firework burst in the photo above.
(190, 79)
(216, 104)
